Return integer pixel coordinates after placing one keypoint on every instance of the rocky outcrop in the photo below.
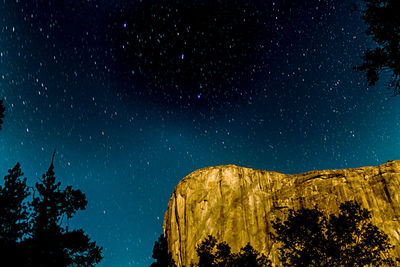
(237, 204)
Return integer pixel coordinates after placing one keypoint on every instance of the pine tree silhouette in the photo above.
(14, 223)
(33, 233)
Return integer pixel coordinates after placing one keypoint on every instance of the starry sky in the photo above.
(134, 95)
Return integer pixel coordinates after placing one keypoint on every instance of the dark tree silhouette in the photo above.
(33, 233)
(302, 238)
(161, 255)
(13, 213)
(356, 240)
(382, 17)
(214, 254)
(249, 257)
(206, 252)
(224, 256)
(309, 238)
(2, 110)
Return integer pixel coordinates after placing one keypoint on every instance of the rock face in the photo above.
(237, 205)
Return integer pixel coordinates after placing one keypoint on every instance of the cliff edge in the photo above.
(237, 205)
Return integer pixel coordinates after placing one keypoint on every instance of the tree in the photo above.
(382, 18)
(357, 241)
(14, 222)
(214, 254)
(302, 238)
(13, 209)
(206, 251)
(310, 238)
(38, 237)
(249, 257)
(161, 255)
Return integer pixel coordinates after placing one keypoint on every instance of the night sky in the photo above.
(135, 95)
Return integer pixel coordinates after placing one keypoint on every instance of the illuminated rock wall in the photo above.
(237, 205)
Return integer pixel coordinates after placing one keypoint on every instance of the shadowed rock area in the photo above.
(237, 205)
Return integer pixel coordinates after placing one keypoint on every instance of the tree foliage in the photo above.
(161, 255)
(249, 257)
(310, 238)
(14, 222)
(32, 232)
(383, 20)
(214, 254)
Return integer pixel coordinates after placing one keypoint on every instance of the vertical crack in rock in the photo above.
(385, 188)
(242, 193)
(179, 229)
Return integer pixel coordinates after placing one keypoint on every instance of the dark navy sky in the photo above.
(133, 99)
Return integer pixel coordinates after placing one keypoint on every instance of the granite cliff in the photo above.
(237, 204)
